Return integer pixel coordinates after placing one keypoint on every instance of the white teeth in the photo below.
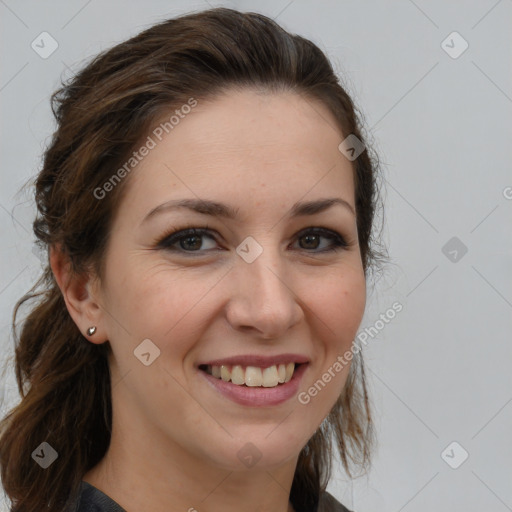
(270, 378)
(237, 375)
(281, 372)
(289, 371)
(254, 376)
(225, 373)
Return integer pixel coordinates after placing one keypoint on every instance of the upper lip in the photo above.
(257, 360)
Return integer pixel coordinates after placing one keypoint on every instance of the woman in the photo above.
(207, 204)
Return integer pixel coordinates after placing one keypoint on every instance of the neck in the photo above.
(161, 476)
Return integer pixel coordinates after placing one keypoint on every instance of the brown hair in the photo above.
(102, 114)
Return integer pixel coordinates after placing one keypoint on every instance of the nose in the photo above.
(262, 297)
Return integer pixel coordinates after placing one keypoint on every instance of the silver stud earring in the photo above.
(91, 330)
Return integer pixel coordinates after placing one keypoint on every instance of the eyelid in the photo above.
(338, 241)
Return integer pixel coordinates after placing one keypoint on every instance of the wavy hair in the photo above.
(102, 114)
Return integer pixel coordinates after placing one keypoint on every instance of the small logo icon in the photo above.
(147, 352)
(249, 249)
(249, 455)
(454, 249)
(454, 45)
(44, 45)
(454, 455)
(44, 455)
(351, 147)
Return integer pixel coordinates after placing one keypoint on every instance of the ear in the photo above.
(79, 295)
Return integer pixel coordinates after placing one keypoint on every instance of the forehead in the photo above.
(260, 121)
(245, 143)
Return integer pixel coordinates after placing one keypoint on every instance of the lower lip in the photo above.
(258, 396)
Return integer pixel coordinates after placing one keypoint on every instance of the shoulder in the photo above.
(328, 503)
(91, 499)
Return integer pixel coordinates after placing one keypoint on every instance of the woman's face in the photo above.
(262, 283)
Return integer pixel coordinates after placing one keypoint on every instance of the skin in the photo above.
(175, 440)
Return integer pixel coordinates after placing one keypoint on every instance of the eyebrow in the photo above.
(216, 209)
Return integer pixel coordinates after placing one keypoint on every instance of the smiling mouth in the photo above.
(253, 376)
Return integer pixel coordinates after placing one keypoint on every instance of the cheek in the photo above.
(166, 306)
(340, 306)
(338, 313)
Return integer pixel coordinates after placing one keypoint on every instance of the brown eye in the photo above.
(312, 237)
(311, 241)
(190, 240)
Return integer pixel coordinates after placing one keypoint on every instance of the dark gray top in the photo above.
(92, 499)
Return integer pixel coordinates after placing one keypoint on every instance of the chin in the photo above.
(253, 451)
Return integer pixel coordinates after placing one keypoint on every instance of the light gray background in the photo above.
(440, 371)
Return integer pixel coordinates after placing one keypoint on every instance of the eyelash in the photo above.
(172, 237)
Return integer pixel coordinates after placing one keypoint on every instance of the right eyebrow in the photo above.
(216, 209)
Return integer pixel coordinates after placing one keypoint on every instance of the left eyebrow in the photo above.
(216, 209)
